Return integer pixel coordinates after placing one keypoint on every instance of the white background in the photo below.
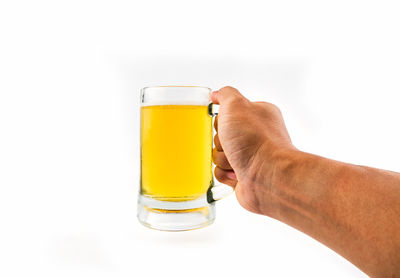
(70, 75)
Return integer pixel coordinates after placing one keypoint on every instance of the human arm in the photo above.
(354, 210)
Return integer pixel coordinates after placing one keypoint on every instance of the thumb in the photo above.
(226, 94)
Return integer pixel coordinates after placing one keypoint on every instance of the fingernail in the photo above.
(231, 175)
(211, 94)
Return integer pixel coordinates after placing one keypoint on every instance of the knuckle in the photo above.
(235, 101)
(275, 108)
(229, 88)
(270, 107)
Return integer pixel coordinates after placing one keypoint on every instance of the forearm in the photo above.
(354, 210)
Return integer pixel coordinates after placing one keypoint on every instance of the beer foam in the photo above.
(175, 95)
(175, 102)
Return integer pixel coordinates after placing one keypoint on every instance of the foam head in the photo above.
(175, 95)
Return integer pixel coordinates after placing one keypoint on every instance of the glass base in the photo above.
(175, 216)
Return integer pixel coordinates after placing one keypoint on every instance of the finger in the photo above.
(217, 143)
(225, 94)
(226, 177)
(220, 160)
(216, 123)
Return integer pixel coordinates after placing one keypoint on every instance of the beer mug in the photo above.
(177, 190)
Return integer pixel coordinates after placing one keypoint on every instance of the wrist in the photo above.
(267, 176)
(294, 184)
(302, 187)
(285, 163)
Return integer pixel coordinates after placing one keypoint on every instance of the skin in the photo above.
(352, 209)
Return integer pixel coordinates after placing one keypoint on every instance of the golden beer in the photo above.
(176, 146)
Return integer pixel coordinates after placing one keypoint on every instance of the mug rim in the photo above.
(176, 86)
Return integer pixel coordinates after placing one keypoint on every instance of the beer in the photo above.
(176, 146)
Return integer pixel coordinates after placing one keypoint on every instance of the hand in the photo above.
(250, 138)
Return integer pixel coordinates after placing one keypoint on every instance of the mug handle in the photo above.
(217, 191)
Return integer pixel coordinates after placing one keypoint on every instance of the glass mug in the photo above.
(177, 190)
